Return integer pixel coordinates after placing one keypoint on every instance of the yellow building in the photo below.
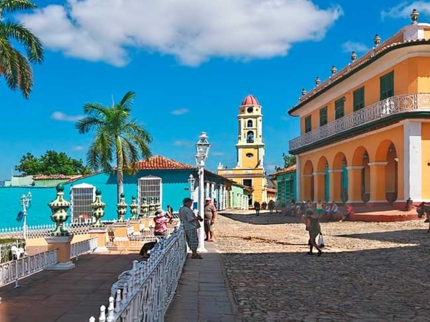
(249, 170)
(365, 131)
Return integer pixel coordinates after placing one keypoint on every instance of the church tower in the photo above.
(250, 146)
(249, 170)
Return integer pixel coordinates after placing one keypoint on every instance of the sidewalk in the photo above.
(203, 293)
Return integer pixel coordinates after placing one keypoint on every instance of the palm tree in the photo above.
(117, 138)
(14, 66)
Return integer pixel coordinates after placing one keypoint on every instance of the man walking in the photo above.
(210, 215)
(191, 223)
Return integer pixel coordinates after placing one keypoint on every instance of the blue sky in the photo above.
(190, 64)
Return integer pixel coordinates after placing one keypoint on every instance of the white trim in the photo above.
(318, 173)
(377, 201)
(355, 167)
(385, 63)
(298, 194)
(377, 163)
(412, 164)
(352, 139)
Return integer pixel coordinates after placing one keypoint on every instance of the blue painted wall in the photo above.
(175, 188)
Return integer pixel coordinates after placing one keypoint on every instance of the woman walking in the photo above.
(313, 226)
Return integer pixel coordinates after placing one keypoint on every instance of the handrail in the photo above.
(389, 106)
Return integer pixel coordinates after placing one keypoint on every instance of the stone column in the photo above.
(354, 184)
(60, 238)
(412, 163)
(306, 186)
(319, 186)
(377, 183)
(298, 177)
(335, 185)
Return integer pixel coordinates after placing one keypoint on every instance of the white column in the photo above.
(201, 247)
(213, 193)
(412, 160)
(207, 190)
(298, 196)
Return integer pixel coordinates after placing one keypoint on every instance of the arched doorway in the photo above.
(308, 181)
(322, 181)
(387, 171)
(340, 178)
(359, 189)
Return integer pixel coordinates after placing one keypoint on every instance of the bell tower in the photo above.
(249, 170)
(250, 146)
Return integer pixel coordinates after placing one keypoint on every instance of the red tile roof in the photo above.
(161, 163)
(286, 170)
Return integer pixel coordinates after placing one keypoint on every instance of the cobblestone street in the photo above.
(368, 271)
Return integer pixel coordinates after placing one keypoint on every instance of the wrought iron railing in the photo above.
(390, 106)
(12, 271)
(83, 247)
(145, 292)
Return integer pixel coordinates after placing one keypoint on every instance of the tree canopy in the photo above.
(14, 66)
(289, 160)
(50, 163)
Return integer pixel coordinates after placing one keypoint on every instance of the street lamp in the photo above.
(25, 203)
(191, 181)
(202, 147)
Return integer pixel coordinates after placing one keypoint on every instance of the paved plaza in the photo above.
(368, 271)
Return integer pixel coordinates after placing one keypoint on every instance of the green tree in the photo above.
(14, 66)
(119, 140)
(289, 160)
(51, 162)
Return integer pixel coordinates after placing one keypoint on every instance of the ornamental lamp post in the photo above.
(191, 182)
(25, 203)
(202, 147)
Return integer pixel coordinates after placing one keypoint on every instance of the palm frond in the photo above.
(21, 34)
(15, 5)
(127, 101)
(88, 123)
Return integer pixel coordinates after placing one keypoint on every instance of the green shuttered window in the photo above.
(387, 85)
(323, 116)
(339, 108)
(308, 124)
(358, 99)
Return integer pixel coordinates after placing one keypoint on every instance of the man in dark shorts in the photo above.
(210, 215)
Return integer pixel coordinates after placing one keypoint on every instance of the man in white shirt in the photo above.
(191, 223)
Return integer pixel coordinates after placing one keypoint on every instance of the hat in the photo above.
(159, 212)
(208, 199)
(187, 200)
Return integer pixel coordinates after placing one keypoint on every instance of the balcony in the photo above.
(352, 123)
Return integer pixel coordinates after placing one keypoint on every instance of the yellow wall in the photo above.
(410, 76)
(425, 175)
(376, 145)
(249, 162)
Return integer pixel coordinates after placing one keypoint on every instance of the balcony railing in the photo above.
(390, 106)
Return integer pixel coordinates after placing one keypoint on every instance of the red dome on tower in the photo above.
(250, 100)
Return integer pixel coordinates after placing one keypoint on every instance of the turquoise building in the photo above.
(158, 177)
(285, 183)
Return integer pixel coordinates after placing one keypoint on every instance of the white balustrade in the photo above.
(390, 106)
(145, 291)
(12, 271)
(83, 247)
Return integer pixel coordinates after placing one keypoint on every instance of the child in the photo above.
(349, 211)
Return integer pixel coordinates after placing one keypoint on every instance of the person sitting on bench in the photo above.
(349, 211)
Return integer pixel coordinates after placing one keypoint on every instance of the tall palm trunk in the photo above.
(120, 167)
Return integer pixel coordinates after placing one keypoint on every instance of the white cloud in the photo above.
(180, 111)
(78, 148)
(183, 143)
(404, 9)
(59, 116)
(216, 153)
(350, 46)
(192, 31)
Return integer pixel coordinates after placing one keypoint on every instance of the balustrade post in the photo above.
(98, 229)
(60, 238)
